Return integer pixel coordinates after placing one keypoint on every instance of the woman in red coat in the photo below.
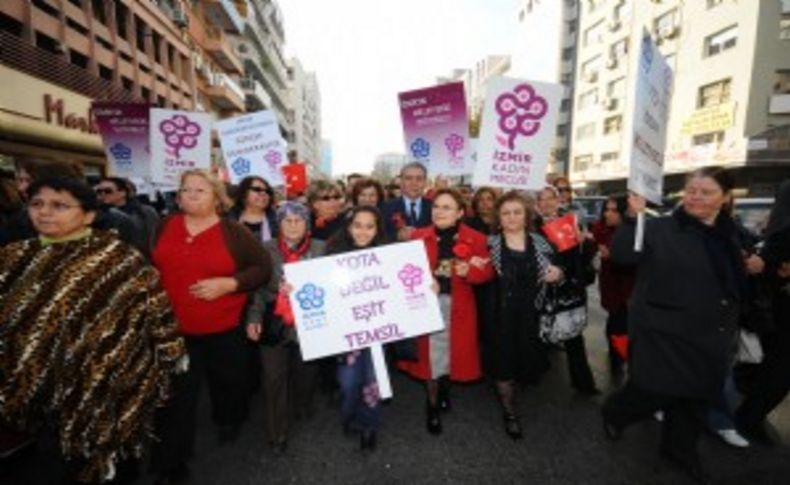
(459, 258)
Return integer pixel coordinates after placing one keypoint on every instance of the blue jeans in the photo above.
(359, 391)
(721, 413)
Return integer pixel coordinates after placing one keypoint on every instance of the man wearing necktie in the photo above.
(403, 214)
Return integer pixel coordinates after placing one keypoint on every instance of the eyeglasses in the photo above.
(103, 191)
(327, 198)
(563, 189)
(38, 205)
(258, 190)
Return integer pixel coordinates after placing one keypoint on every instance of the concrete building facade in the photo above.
(306, 103)
(731, 100)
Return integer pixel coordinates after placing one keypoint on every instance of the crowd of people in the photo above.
(114, 311)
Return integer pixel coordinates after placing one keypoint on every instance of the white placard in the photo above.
(518, 131)
(354, 300)
(645, 147)
(180, 140)
(252, 145)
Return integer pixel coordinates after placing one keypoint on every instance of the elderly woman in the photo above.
(208, 264)
(326, 203)
(523, 263)
(87, 333)
(459, 259)
(288, 382)
(367, 192)
(683, 315)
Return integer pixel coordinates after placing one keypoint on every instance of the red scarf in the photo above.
(282, 306)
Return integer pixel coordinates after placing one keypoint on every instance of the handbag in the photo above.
(750, 350)
(562, 319)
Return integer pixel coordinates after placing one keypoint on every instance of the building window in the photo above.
(121, 15)
(609, 157)
(721, 41)
(612, 125)
(565, 105)
(98, 11)
(78, 59)
(782, 85)
(581, 163)
(562, 130)
(714, 3)
(616, 88)
(127, 84)
(47, 43)
(667, 21)
(619, 49)
(707, 138)
(588, 98)
(714, 93)
(594, 34)
(105, 72)
(585, 131)
(567, 54)
(592, 66)
(623, 10)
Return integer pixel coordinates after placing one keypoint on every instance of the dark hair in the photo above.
(40, 169)
(722, 177)
(78, 189)
(240, 198)
(621, 201)
(121, 184)
(10, 198)
(366, 184)
(479, 194)
(354, 175)
(342, 241)
(459, 199)
(513, 196)
(416, 165)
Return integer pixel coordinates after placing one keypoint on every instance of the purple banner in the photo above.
(124, 130)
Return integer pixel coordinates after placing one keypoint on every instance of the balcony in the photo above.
(225, 92)
(257, 97)
(225, 15)
(220, 47)
(780, 104)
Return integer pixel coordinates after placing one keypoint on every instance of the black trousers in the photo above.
(578, 366)
(683, 418)
(771, 380)
(222, 360)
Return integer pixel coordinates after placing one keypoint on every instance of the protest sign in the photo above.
(517, 133)
(363, 299)
(436, 128)
(645, 144)
(179, 140)
(252, 145)
(124, 131)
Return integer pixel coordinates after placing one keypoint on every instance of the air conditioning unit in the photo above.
(609, 103)
(591, 77)
(614, 24)
(180, 18)
(668, 32)
(611, 63)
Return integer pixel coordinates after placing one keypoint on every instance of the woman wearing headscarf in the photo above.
(683, 316)
(772, 380)
(88, 342)
(208, 264)
(288, 382)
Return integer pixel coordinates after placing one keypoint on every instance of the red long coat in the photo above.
(464, 350)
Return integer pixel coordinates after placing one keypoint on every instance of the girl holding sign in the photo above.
(459, 259)
(363, 229)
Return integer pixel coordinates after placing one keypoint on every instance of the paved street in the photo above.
(563, 444)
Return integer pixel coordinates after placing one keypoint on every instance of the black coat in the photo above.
(396, 208)
(681, 324)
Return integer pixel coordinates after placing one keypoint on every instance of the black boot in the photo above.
(444, 394)
(367, 440)
(433, 419)
(513, 426)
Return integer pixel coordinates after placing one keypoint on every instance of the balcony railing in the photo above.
(255, 89)
(225, 15)
(780, 104)
(222, 79)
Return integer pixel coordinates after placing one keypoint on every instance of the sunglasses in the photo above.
(104, 191)
(326, 198)
(259, 190)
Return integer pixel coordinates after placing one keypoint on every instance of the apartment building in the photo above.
(731, 101)
(553, 26)
(306, 103)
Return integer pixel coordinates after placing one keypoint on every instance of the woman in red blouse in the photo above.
(208, 264)
(459, 258)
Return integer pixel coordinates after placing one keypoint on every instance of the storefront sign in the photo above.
(708, 120)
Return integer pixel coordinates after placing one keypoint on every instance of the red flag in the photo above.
(562, 232)
(620, 345)
(295, 179)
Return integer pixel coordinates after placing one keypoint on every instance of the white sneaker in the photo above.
(659, 416)
(732, 438)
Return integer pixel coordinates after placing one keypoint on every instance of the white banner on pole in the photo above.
(363, 299)
(180, 140)
(517, 133)
(252, 145)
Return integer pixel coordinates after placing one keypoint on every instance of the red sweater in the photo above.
(183, 263)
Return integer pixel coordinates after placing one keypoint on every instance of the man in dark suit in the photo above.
(411, 209)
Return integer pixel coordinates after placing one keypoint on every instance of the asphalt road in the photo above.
(563, 443)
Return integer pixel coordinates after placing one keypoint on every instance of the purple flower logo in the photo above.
(520, 113)
(310, 297)
(241, 166)
(420, 148)
(273, 158)
(410, 276)
(454, 144)
(121, 152)
(179, 133)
